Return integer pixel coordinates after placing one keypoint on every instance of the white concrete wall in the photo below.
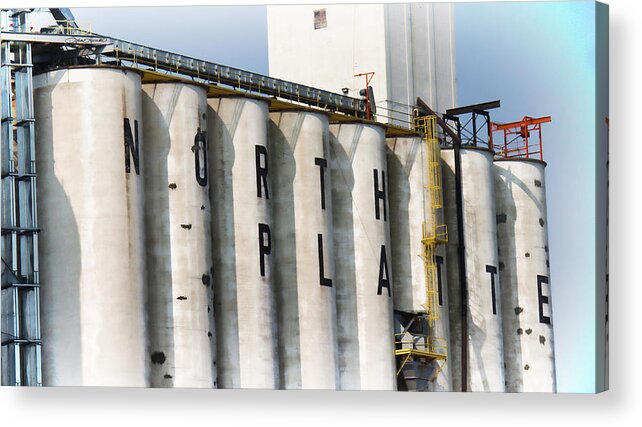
(178, 243)
(90, 211)
(410, 47)
(306, 303)
(420, 55)
(328, 58)
(246, 329)
(409, 208)
(485, 341)
(363, 272)
(435, 78)
(522, 224)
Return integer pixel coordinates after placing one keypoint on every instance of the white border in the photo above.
(620, 406)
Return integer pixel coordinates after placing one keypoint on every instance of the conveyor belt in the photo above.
(234, 77)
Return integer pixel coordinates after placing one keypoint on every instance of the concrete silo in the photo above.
(520, 193)
(410, 209)
(178, 242)
(482, 365)
(363, 274)
(91, 215)
(304, 253)
(523, 249)
(242, 243)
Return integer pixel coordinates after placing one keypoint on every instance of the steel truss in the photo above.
(21, 346)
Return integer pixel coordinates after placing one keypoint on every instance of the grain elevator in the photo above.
(173, 222)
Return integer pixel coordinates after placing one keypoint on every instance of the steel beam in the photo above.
(63, 39)
(472, 108)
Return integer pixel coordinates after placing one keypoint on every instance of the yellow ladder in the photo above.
(434, 233)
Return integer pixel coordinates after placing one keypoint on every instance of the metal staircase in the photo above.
(434, 232)
(420, 357)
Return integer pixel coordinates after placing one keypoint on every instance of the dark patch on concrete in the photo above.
(202, 207)
(547, 263)
(209, 334)
(168, 376)
(501, 218)
(206, 279)
(528, 331)
(538, 183)
(542, 339)
(501, 265)
(518, 310)
(204, 116)
(181, 298)
(172, 186)
(546, 248)
(158, 357)
(541, 222)
(527, 255)
(526, 367)
(520, 331)
(208, 309)
(186, 226)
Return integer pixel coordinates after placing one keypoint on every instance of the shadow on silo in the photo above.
(284, 166)
(479, 332)
(508, 266)
(345, 273)
(222, 157)
(59, 261)
(399, 195)
(158, 246)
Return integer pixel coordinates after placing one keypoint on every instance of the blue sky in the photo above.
(538, 58)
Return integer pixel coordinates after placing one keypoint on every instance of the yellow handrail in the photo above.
(435, 346)
(69, 28)
(433, 233)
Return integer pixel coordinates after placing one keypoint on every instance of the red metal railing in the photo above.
(369, 76)
(518, 141)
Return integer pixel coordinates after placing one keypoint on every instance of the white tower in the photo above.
(409, 47)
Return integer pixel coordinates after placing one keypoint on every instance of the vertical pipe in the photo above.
(16, 329)
(474, 119)
(525, 127)
(462, 260)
